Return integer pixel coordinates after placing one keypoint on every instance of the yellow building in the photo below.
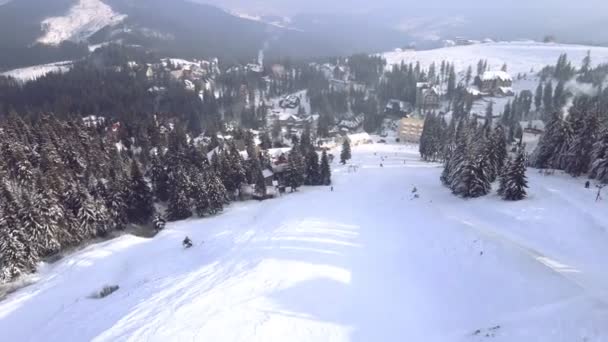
(410, 129)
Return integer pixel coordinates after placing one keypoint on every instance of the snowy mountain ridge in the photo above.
(83, 20)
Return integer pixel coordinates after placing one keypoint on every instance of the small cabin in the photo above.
(495, 82)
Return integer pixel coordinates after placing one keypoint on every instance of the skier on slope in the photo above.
(187, 243)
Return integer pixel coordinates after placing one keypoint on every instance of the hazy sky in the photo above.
(291, 7)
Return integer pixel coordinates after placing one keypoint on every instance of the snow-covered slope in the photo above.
(521, 57)
(366, 262)
(34, 72)
(83, 20)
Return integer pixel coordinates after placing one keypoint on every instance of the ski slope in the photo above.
(366, 262)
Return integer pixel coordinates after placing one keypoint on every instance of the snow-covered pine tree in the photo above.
(158, 177)
(16, 253)
(72, 200)
(199, 195)
(538, 96)
(296, 169)
(550, 143)
(89, 218)
(497, 153)
(515, 183)
(216, 163)
(237, 173)
(116, 202)
(599, 158)
(178, 205)
(548, 101)
(423, 147)
(502, 179)
(140, 201)
(258, 177)
(447, 166)
(158, 222)
(306, 140)
(313, 173)
(346, 154)
(459, 155)
(42, 223)
(471, 181)
(325, 172)
(580, 149)
(216, 192)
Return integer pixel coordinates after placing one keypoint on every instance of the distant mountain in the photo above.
(43, 31)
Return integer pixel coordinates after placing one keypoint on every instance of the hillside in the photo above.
(367, 262)
(523, 57)
(58, 30)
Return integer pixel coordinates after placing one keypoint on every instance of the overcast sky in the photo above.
(292, 7)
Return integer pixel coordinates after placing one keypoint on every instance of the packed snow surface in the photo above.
(366, 262)
(37, 71)
(82, 21)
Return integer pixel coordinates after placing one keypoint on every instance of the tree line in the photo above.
(63, 183)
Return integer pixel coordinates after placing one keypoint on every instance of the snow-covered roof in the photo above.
(359, 138)
(474, 91)
(506, 90)
(277, 152)
(496, 75)
(267, 173)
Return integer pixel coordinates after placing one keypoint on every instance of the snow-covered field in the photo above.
(367, 262)
(34, 72)
(83, 20)
(526, 58)
(521, 57)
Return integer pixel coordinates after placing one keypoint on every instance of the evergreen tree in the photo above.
(548, 100)
(471, 181)
(91, 218)
(578, 158)
(259, 181)
(236, 171)
(550, 144)
(458, 156)
(538, 97)
(469, 75)
(451, 83)
(502, 180)
(179, 205)
(325, 172)
(116, 203)
(498, 152)
(140, 201)
(295, 171)
(43, 219)
(559, 97)
(345, 155)
(599, 158)
(515, 182)
(159, 178)
(16, 255)
(216, 193)
(313, 173)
